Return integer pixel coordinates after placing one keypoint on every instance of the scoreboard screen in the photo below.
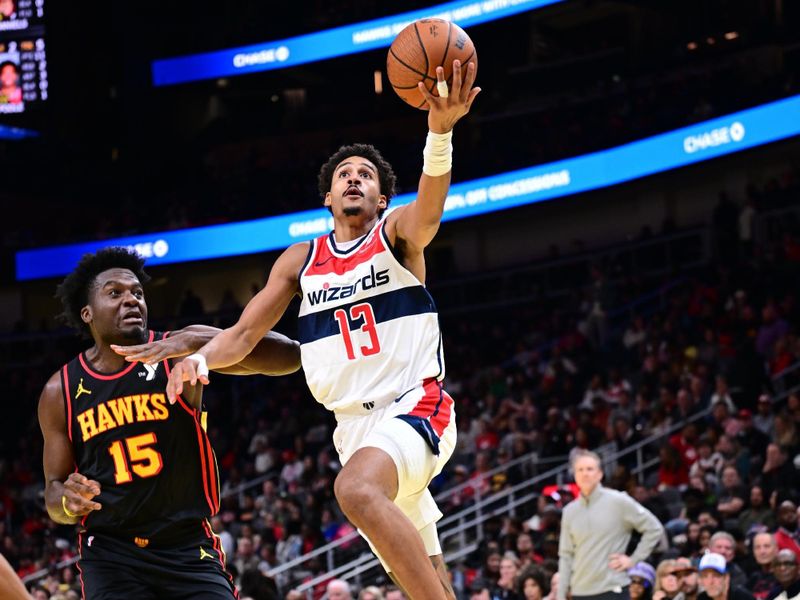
(23, 62)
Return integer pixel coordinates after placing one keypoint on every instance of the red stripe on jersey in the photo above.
(435, 405)
(68, 398)
(209, 468)
(326, 262)
(78, 564)
(102, 377)
(215, 543)
(204, 467)
(212, 469)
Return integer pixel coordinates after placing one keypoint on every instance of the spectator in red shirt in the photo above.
(684, 442)
(787, 536)
(672, 472)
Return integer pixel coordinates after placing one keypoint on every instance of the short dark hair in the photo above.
(73, 291)
(386, 176)
(5, 63)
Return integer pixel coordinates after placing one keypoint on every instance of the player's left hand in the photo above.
(620, 562)
(153, 352)
(444, 113)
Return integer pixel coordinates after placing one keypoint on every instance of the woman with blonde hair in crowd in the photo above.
(668, 583)
(509, 567)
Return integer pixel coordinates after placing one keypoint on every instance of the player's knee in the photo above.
(354, 494)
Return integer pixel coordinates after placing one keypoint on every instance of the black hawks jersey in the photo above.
(153, 460)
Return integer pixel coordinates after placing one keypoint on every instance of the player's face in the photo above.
(355, 189)
(117, 311)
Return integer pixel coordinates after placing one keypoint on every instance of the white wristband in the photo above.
(438, 154)
(202, 365)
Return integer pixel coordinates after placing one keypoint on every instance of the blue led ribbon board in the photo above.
(703, 141)
(330, 43)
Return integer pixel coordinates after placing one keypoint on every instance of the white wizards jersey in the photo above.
(368, 329)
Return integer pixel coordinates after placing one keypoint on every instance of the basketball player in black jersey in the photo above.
(136, 472)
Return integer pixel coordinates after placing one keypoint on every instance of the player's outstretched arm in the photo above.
(274, 354)
(418, 222)
(233, 344)
(68, 495)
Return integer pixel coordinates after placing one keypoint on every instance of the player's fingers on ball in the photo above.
(472, 72)
(456, 76)
(425, 92)
(466, 89)
(440, 74)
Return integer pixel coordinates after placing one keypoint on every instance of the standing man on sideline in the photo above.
(596, 528)
(136, 472)
(370, 343)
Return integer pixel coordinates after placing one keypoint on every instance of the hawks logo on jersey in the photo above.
(122, 411)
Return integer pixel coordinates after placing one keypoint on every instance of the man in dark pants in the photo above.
(596, 528)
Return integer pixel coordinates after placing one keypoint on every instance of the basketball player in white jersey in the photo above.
(370, 343)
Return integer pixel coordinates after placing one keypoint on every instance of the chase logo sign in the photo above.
(715, 137)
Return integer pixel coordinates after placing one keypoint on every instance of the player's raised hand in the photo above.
(446, 109)
(78, 493)
(190, 369)
(153, 352)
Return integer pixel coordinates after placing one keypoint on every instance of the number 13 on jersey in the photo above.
(358, 312)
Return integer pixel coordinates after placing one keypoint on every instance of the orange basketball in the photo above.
(421, 47)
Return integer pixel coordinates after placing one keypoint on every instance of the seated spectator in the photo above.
(687, 573)
(371, 592)
(778, 475)
(509, 568)
(786, 572)
(723, 543)
(716, 580)
(722, 394)
(731, 494)
(338, 589)
(672, 471)
(762, 580)
(709, 462)
(643, 578)
(786, 535)
(480, 589)
(757, 512)
(532, 584)
(787, 433)
(667, 585)
(764, 419)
